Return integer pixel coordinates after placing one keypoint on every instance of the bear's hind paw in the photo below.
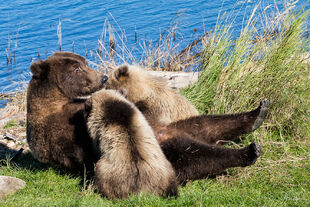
(264, 107)
(253, 153)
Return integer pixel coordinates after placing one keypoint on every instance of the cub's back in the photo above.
(131, 159)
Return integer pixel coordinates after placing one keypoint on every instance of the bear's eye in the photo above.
(78, 69)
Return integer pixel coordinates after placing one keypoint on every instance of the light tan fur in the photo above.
(161, 104)
(131, 159)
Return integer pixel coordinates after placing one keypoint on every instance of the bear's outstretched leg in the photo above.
(193, 160)
(212, 129)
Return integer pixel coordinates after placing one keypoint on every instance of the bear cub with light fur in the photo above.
(131, 159)
(151, 94)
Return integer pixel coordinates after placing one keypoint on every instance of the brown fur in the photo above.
(131, 158)
(154, 98)
(193, 160)
(215, 129)
(170, 114)
(56, 131)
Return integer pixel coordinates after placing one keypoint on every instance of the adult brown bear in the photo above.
(57, 133)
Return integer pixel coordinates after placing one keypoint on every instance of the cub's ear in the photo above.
(39, 68)
(122, 73)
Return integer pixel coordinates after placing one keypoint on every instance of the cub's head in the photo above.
(67, 74)
(131, 81)
(119, 79)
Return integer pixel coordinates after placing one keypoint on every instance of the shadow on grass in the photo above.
(25, 160)
(20, 159)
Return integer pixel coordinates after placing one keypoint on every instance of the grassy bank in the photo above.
(272, 63)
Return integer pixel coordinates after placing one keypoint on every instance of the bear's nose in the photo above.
(104, 79)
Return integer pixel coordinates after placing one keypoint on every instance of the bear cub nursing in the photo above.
(155, 99)
(131, 159)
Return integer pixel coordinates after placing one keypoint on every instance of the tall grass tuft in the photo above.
(271, 62)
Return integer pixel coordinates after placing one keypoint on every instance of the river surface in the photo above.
(28, 29)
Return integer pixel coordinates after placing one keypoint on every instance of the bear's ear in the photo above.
(39, 68)
(122, 73)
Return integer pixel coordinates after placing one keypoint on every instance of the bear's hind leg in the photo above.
(193, 160)
(213, 129)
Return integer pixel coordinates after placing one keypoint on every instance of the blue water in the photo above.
(28, 29)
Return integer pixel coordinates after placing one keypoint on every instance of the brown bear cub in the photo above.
(56, 131)
(170, 114)
(150, 94)
(131, 159)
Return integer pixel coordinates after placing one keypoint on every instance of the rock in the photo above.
(177, 79)
(11, 144)
(22, 134)
(10, 150)
(9, 185)
(9, 137)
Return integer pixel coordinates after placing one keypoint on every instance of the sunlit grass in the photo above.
(239, 73)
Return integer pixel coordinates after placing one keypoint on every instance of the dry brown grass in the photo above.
(165, 54)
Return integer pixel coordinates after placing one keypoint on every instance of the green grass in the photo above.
(279, 178)
(10, 124)
(238, 73)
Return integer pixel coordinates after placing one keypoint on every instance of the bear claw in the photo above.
(264, 107)
(254, 152)
(265, 103)
(256, 148)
